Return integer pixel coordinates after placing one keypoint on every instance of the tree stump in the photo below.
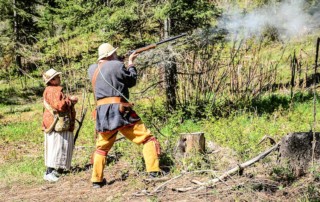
(296, 151)
(191, 142)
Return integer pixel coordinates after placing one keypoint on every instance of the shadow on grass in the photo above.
(260, 105)
(166, 162)
(77, 168)
(274, 102)
(14, 96)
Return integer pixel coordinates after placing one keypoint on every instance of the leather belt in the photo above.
(110, 100)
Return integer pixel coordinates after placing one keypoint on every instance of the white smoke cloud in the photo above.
(289, 18)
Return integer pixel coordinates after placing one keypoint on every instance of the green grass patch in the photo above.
(26, 171)
(243, 130)
(27, 131)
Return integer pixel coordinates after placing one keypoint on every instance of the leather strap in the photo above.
(55, 116)
(49, 108)
(94, 79)
(110, 100)
(106, 100)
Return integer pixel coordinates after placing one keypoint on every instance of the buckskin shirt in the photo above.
(114, 72)
(54, 96)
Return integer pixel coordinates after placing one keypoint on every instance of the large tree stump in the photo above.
(296, 151)
(191, 142)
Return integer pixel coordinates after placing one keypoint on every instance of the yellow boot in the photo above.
(98, 167)
(150, 156)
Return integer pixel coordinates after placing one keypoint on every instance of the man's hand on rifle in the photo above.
(132, 57)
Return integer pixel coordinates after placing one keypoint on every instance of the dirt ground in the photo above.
(124, 184)
(76, 186)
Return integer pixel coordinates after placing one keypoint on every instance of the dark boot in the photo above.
(157, 174)
(97, 185)
(49, 170)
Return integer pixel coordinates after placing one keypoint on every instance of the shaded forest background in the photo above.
(205, 69)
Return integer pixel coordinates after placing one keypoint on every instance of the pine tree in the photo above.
(18, 33)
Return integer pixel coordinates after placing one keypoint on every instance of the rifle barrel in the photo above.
(151, 46)
(171, 39)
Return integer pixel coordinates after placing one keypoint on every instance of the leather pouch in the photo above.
(63, 123)
(125, 108)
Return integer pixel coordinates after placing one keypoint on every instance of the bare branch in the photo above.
(230, 172)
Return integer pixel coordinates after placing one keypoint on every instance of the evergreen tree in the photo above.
(18, 33)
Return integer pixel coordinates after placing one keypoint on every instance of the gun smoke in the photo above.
(287, 19)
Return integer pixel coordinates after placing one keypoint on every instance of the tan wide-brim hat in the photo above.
(105, 50)
(50, 74)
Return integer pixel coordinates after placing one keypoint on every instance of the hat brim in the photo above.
(55, 74)
(107, 54)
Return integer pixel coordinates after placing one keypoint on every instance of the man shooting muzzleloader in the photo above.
(111, 81)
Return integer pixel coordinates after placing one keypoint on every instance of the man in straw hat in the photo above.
(111, 81)
(58, 125)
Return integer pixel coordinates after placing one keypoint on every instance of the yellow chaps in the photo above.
(138, 134)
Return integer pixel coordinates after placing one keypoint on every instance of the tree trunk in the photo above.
(171, 83)
(191, 142)
(16, 38)
(170, 74)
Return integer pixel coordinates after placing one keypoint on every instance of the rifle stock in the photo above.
(140, 50)
(80, 125)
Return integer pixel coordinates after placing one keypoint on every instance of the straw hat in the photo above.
(50, 74)
(105, 50)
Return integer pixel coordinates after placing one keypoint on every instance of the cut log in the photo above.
(191, 142)
(296, 151)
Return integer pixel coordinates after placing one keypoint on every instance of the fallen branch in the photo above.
(184, 189)
(213, 172)
(272, 141)
(162, 179)
(213, 151)
(157, 189)
(243, 165)
(160, 186)
(234, 170)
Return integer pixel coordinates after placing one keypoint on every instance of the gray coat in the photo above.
(108, 116)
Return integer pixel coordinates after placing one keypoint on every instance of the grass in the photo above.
(272, 115)
(243, 130)
(26, 131)
(28, 170)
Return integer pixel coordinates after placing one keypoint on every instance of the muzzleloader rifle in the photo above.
(154, 45)
(83, 114)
